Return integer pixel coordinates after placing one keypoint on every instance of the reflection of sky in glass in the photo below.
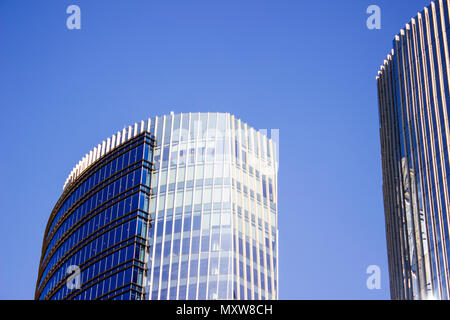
(100, 226)
(414, 132)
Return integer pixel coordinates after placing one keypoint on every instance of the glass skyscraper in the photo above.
(414, 107)
(176, 207)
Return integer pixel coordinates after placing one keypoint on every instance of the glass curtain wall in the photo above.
(215, 213)
(100, 227)
(414, 102)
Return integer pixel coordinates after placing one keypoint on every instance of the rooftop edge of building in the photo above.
(117, 140)
(413, 20)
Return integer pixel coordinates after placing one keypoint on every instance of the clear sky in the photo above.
(306, 68)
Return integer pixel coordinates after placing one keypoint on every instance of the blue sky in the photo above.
(306, 68)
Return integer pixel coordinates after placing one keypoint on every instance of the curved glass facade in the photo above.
(100, 225)
(191, 215)
(414, 101)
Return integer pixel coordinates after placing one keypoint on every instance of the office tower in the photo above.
(414, 106)
(191, 202)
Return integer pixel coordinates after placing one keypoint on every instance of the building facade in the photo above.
(414, 102)
(201, 214)
(99, 225)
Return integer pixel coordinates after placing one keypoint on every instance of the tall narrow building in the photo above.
(414, 102)
(177, 207)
